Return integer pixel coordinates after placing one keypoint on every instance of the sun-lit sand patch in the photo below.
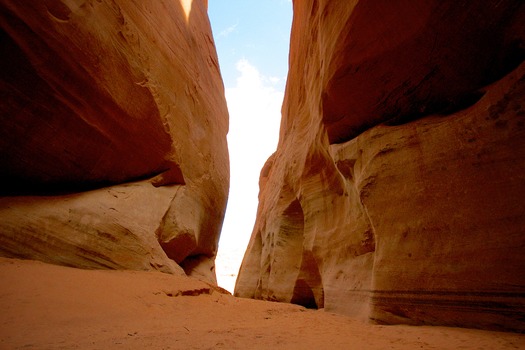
(227, 267)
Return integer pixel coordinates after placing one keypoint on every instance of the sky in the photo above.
(252, 40)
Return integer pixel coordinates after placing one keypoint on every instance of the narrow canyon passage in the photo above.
(347, 169)
(252, 40)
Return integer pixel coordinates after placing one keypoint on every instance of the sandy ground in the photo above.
(51, 307)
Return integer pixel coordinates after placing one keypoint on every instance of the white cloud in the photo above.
(229, 30)
(274, 80)
(255, 114)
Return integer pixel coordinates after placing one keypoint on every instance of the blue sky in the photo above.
(252, 41)
(256, 30)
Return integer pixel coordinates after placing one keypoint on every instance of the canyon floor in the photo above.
(52, 307)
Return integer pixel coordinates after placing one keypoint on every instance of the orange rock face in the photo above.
(395, 193)
(113, 114)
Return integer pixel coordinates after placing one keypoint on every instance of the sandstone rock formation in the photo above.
(396, 191)
(113, 142)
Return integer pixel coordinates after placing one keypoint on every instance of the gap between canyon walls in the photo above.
(113, 148)
(252, 40)
(401, 144)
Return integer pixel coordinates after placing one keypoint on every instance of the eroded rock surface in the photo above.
(395, 193)
(113, 135)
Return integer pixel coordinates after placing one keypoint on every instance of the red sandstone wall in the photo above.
(113, 114)
(396, 191)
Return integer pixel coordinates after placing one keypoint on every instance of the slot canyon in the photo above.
(394, 198)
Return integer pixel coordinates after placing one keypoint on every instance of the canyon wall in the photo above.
(396, 191)
(113, 146)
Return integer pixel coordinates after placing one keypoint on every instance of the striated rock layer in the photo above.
(396, 191)
(113, 142)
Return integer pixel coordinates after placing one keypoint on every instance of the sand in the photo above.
(52, 307)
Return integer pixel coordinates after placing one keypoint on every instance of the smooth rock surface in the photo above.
(97, 94)
(419, 220)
